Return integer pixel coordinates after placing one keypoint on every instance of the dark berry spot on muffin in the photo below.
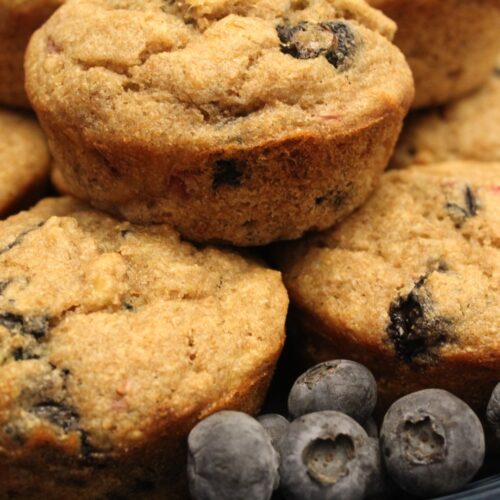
(58, 414)
(305, 40)
(340, 54)
(460, 211)
(36, 326)
(4, 284)
(86, 448)
(470, 201)
(335, 198)
(334, 40)
(19, 239)
(128, 307)
(414, 330)
(19, 354)
(226, 173)
(496, 71)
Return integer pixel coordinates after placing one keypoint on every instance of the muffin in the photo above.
(58, 182)
(239, 122)
(18, 20)
(409, 284)
(115, 340)
(467, 129)
(451, 45)
(24, 161)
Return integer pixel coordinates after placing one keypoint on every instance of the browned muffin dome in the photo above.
(241, 121)
(465, 129)
(450, 45)
(24, 161)
(115, 340)
(18, 20)
(409, 284)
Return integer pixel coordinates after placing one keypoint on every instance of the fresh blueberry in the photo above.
(432, 442)
(339, 385)
(493, 411)
(380, 485)
(371, 428)
(230, 457)
(327, 455)
(276, 426)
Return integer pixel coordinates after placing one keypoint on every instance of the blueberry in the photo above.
(339, 385)
(381, 486)
(276, 426)
(432, 442)
(227, 173)
(464, 208)
(58, 414)
(493, 411)
(371, 428)
(333, 39)
(36, 326)
(327, 455)
(230, 456)
(415, 330)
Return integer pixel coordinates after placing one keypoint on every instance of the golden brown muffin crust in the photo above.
(160, 112)
(24, 159)
(409, 284)
(18, 20)
(115, 339)
(466, 129)
(450, 45)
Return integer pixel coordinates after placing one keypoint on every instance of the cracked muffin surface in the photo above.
(24, 160)
(228, 119)
(409, 284)
(115, 339)
(18, 20)
(466, 129)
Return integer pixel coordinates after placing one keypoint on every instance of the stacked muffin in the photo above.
(409, 284)
(234, 122)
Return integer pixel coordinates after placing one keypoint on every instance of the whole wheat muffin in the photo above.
(24, 161)
(115, 340)
(467, 129)
(237, 121)
(409, 284)
(18, 20)
(451, 45)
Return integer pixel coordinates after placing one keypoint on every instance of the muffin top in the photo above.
(24, 156)
(416, 271)
(204, 75)
(112, 334)
(467, 129)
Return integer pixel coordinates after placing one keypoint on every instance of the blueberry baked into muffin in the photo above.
(409, 284)
(18, 20)
(450, 45)
(115, 340)
(24, 161)
(467, 129)
(235, 121)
